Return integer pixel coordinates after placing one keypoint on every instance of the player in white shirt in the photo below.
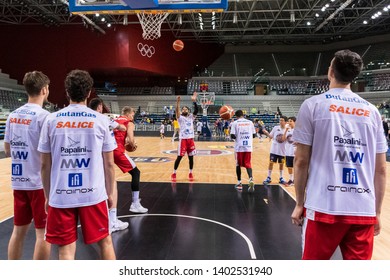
(162, 130)
(278, 150)
(199, 126)
(96, 104)
(186, 136)
(22, 131)
(78, 176)
(340, 167)
(290, 148)
(243, 131)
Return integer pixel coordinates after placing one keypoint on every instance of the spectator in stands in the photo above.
(226, 126)
(339, 193)
(278, 149)
(29, 199)
(290, 148)
(219, 127)
(96, 104)
(186, 136)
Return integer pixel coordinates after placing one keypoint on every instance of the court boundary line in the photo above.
(247, 240)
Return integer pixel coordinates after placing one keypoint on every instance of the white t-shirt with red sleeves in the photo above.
(290, 146)
(243, 129)
(22, 131)
(186, 126)
(345, 133)
(278, 146)
(76, 136)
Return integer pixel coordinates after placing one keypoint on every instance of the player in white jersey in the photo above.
(278, 149)
(199, 126)
(186, 136)
(290, 148)
(22, 131)
(340, 167)
(78, 175)
(162, 130)
(115, 224)
(243, 131)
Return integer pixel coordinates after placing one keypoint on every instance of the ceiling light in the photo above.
(180, 20)
(235, 18)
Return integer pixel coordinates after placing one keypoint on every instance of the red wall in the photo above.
(57, 50)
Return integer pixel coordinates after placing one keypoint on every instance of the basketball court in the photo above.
(205, 219)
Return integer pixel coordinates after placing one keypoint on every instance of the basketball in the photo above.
(178, 45)
(226, 112)
(130, 148)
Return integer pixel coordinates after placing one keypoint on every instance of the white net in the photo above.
(206, 99)
(151, 24)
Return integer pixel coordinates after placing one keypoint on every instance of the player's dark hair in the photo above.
(78, 85)
(94, 103)
(294, 119)
(239, 113)
(346, 66)
(34, 82)
(284, 117)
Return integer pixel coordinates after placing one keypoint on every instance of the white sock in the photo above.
(135, 196)
(112, 216)
(281, 173)
(269, 173)
(292, 177)
(174, 171)
(190, 170)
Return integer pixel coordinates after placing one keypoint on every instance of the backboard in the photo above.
(152, 6)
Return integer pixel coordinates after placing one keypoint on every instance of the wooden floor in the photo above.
(214, 164)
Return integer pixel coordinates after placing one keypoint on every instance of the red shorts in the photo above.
(123, 161)
(29, 205)
(61, 226)
(186, 146)
(320, 240)
(243, 159)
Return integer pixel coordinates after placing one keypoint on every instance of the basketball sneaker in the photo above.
(267, 181)
(173, 177)
(251, 186)
(190, 177)
(136, 207)
(238, 186)
(118, 225)
(290, 183)
(282, 181)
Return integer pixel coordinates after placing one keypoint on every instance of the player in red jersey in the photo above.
(123, 161)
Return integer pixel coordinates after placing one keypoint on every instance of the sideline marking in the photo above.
(249, 243)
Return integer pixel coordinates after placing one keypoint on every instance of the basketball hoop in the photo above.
(151, 24)
(206, 99)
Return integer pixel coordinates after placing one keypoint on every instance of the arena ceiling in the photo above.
(246, 22)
